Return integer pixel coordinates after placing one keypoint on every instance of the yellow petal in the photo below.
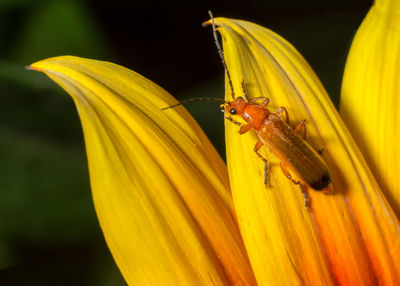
(160, 189)
(370, 100)
(350, 237)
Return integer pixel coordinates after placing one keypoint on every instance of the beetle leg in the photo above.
(299, 126)
(257, 147)
(244, 128)
(306, 197)
(283, 110)
(263, 104)
(287, 174)
(302, 187)
(266, 181)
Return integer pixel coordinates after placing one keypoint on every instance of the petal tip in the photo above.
(206, 23)
(32, 67)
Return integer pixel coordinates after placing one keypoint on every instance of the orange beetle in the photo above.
(285, 142)
(294, 152)
(274, 131)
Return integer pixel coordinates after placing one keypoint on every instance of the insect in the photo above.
(273, 130)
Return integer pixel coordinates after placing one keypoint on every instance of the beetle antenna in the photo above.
(221, 54)
(210, 99)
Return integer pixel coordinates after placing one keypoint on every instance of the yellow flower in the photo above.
(160, 190)
(162, 193)
(370, 101)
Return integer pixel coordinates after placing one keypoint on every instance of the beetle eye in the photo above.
(232, 111)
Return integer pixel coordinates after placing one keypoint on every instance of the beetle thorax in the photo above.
(255, 115)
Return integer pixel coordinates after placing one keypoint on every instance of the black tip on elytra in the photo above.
(322, 183)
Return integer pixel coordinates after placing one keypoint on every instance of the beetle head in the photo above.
(235, 107)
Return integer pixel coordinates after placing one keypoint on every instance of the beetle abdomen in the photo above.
(323, 183)
(297, 155)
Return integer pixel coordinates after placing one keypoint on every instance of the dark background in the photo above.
(49, 234)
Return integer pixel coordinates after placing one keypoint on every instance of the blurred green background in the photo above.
(49, 234)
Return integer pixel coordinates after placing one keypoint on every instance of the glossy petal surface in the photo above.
(350, 237)
(370, 100)
(160, 189)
